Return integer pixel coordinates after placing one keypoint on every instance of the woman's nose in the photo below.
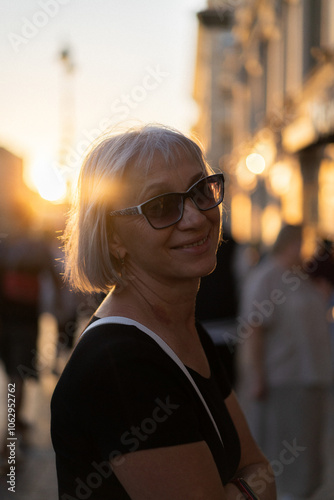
(191, 214)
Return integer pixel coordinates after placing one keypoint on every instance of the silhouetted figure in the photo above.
(23, 258)
(285, 366)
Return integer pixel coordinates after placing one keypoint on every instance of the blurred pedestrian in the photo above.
(284, 365)
(144, 409)
(23, 259)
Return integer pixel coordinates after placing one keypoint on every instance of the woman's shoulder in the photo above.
(119, 343)
(113, 350)
(99, 333)
(124, 363)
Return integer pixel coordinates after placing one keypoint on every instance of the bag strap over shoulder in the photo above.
(130, 322)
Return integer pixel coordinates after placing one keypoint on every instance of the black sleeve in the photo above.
(132, 394)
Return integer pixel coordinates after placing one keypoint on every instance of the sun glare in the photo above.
(48, 182)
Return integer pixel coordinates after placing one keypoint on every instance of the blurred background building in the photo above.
(264, 84)
(13, 188)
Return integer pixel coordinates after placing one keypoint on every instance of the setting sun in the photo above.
(47, 180)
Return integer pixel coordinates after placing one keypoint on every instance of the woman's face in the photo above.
(186, 250)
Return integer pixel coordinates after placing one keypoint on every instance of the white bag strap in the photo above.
(130, 322)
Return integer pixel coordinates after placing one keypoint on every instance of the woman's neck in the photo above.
(158, 307)
(170, 313)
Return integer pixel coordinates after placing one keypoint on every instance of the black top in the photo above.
(119, 393)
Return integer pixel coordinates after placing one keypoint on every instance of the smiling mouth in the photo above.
(196, 244)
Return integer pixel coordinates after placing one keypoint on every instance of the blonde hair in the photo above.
(89, 264)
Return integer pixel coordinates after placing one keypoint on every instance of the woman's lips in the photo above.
(196, 244)
(193, 244)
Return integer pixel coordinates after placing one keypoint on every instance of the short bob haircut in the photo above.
(89, 264)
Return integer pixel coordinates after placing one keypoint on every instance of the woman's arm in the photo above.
(186, 472)
(189, 472)
(253, 466)
(257, 355)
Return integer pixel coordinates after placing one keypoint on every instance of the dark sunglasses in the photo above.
(167, 209)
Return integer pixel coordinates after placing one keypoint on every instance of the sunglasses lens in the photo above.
(164, 210)
(167, 209)
(208, 193)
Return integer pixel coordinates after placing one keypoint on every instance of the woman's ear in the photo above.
(116, 246)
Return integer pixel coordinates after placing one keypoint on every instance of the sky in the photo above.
(133, 60)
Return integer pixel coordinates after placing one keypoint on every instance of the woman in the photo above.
(127, 420)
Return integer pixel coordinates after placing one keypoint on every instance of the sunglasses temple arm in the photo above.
(128, 211)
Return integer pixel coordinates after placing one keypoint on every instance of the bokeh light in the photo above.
(255, 163)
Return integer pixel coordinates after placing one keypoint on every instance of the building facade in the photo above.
(12, 190)
(264, 85)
